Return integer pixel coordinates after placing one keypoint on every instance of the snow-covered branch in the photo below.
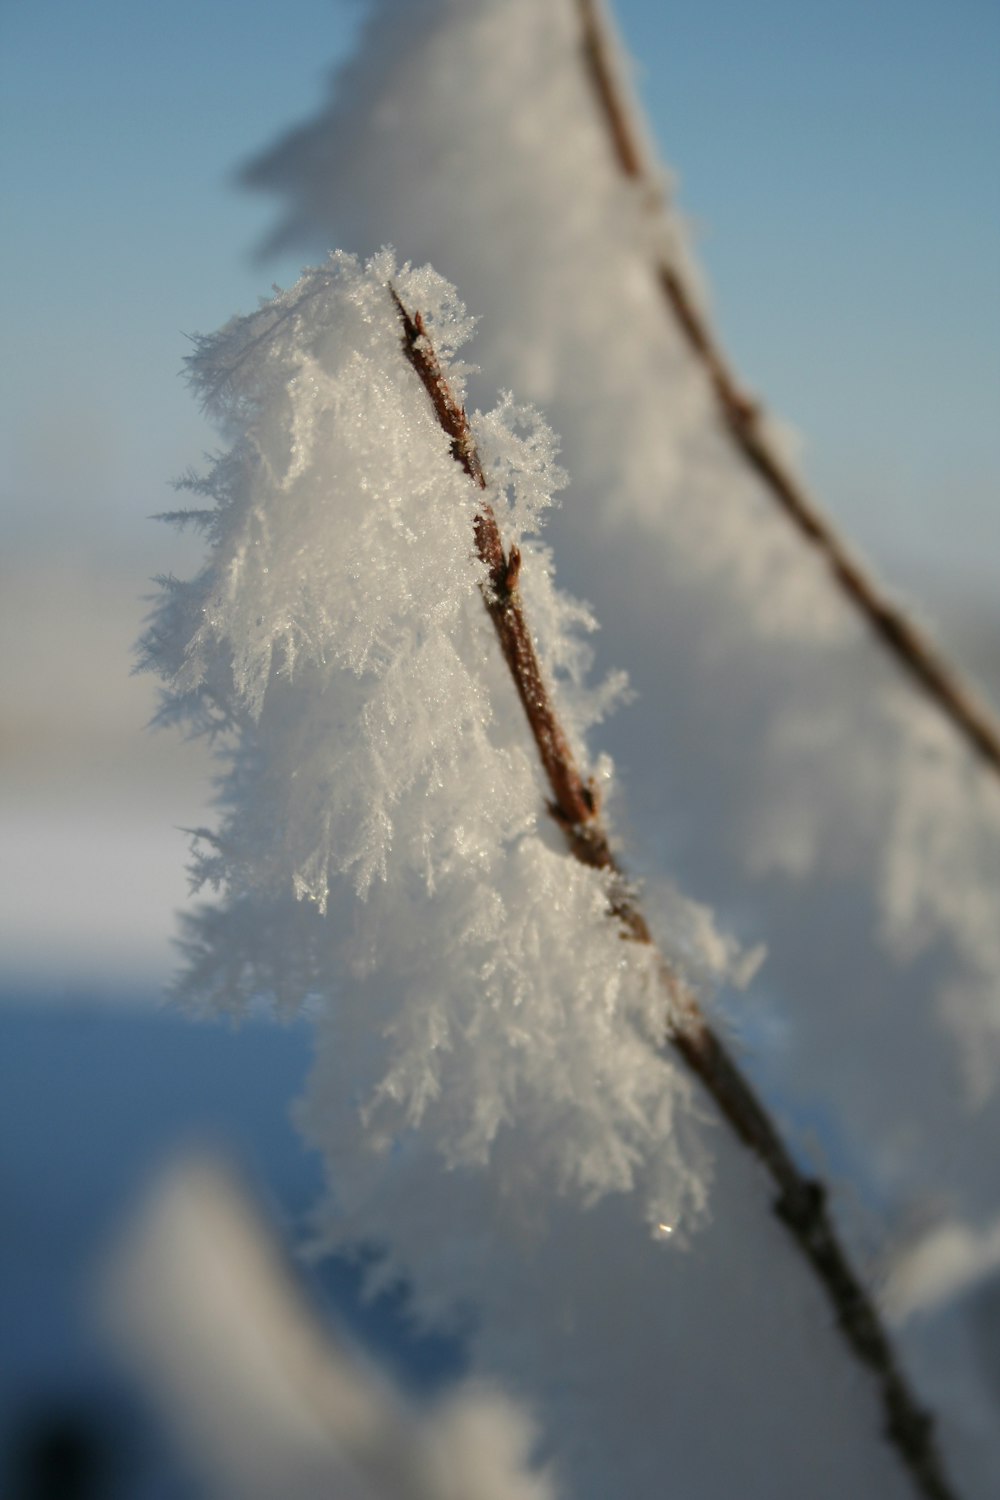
(742, 417)
(481, 985)
(385, 847)
(801, 1202)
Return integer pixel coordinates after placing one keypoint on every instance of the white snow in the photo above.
(775, 761)
(385, 853)
(497, 1111)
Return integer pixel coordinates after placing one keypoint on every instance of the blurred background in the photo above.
(838, 162)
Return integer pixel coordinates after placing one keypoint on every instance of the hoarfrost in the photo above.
(780, 763)
(782, 769)
(384, 852)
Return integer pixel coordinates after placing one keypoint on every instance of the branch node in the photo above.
(568, 824)
(802, 1206)
(513, 572)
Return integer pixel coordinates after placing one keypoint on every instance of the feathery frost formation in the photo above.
(780, 786)
(384, 851)
(784, 768)
(499, 1119)
(500, 1123)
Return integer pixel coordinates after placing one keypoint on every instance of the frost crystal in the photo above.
(785, 770)
(384, 851)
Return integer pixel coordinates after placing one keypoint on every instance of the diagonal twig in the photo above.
(801, 1201)
(741, 415)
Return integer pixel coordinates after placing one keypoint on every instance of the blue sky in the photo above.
(839, 161)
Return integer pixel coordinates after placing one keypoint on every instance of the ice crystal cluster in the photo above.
(384, 854)
(775, 760)
(784, 768)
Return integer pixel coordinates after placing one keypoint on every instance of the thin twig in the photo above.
(574, 802)
(801, 1201)
(742, 417)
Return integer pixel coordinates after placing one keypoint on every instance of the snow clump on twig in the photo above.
(384, 855)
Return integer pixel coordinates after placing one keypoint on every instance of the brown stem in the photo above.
(742, 417)
(574, 802)
(801, 1201)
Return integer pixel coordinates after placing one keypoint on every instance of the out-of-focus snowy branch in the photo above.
(263, 1400)
(743, 418)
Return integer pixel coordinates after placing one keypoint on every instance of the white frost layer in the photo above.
(775, 759)
(495, 1109)
(780, 763)
(384, 838)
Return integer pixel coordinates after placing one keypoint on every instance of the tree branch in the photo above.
(741, 415)
(801, 1204)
